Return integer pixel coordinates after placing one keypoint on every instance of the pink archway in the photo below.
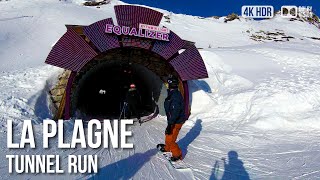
(74, 50)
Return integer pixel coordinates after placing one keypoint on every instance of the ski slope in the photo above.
(260, 104)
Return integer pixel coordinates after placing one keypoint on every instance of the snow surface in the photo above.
(261, 100)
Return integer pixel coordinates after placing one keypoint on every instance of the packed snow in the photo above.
(256, 116)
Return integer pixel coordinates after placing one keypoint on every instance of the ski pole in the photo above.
(122, 110)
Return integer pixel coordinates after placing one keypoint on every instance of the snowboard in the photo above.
(179, 164)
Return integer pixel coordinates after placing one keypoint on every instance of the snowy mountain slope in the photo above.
(32, 28)
(261, 100)
(39, 24)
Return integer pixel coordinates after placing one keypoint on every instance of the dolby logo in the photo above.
(289, 11)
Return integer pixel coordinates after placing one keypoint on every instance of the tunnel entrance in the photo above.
(102, 86)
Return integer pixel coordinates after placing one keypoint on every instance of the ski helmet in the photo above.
(173, 83)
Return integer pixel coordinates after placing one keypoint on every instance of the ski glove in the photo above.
(169, 129)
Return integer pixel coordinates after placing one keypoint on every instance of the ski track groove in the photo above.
(306, 174)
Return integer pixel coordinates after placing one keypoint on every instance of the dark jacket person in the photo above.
(134, 101)
(174, 107)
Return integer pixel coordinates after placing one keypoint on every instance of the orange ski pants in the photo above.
(171, 145)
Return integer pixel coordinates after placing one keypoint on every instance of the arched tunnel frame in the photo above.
(82, 44)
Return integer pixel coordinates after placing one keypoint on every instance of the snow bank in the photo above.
(265, 86)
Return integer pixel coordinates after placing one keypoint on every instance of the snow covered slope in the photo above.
(261, 100)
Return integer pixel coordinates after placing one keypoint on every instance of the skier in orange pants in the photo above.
(174, 107)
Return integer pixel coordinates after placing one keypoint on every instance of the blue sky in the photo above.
(207, 8)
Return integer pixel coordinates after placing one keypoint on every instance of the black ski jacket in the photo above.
(133, 97)
(174, 107)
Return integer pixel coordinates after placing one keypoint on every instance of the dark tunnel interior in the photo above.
(102, 90)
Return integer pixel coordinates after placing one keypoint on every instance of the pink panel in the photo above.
(189, 64)
(68, 96)
(96, 33)
(71, 52)
(128, 15)
(128, 41)
(186, 99)
(167, 49)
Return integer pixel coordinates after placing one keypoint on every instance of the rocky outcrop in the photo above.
(57, 92)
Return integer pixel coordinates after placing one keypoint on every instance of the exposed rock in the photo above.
(96, 3)
(56, 99)
(276, 36)
(167, 18)
(58, 90)
(231, 17)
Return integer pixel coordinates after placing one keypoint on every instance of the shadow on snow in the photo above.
(125, 168)
(233, 170)
(190, 137)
